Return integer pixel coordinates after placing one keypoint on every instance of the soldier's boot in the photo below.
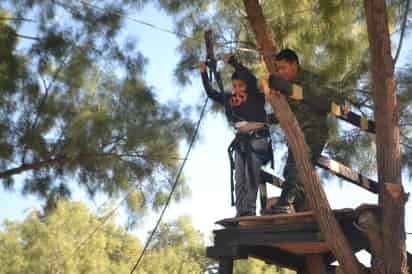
(299, 203)
(277, 206)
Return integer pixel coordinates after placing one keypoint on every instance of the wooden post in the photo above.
(225, 265)
(315, 264)
(391, 196)
(316, 196)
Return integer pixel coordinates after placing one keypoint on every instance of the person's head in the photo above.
(287, 63)
(242, 81)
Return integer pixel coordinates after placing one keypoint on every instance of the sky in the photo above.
(207, 170)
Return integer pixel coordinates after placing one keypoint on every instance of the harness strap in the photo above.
(241, 143)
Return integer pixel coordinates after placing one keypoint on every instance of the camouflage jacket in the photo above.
(310, 120)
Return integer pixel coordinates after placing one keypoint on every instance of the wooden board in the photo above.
(284, 239)
(348, 174)
(299, 217)
(336, 168)
(303, 248)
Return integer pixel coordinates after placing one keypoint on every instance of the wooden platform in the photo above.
(284, 239)
(300, 217)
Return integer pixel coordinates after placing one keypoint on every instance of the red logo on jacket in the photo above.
(238, 98)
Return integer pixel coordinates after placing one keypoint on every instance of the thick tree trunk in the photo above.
(316, 196)
(387, 138)
(368, 223)
(315, 264)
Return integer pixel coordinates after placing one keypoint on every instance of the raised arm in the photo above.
(242, 72)
(210, 91)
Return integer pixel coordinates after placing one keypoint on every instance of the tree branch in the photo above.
(27, 37)
(34, 166)
(17, 19)
(403, 28)
(59, 160)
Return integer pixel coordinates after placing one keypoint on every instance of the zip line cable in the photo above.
(178, 33)
(192, 141)
(163, 29)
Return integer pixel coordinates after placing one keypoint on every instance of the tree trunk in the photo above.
(315, 264)
(368, 223)
(391, 196)
(316, 197)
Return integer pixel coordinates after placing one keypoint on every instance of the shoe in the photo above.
(245, 214)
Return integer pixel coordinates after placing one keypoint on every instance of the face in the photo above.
(239, 86)
(287, 70)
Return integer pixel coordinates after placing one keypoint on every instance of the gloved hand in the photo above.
(280, 84)
(202, 67)
(228, 58)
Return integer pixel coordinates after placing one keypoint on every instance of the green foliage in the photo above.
(329, 36)
(180, 247)
(53, 244)
(255, 266)
(62, 242)
(404, 81)
(75, 107)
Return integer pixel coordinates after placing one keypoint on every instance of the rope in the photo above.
(173, 187)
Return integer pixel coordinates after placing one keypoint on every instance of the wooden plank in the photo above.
(351, 118)
(359, 121)
(236, 252)
(298, 217)
(228, 238)
(270, 228)
(338, 169)
(273, 255)
(303, 248)
(324, 105)
(348, 174)
(269, 254)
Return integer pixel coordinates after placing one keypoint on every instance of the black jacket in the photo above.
(240, 107)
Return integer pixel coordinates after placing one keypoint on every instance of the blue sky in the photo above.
(207, 171)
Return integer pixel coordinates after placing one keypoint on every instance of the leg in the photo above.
(252, 182)
(240, 183)
(260, 148)
(292, 189)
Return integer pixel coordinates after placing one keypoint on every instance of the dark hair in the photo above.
(287, 55)
(246, 76)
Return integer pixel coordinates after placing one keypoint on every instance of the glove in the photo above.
(280, 84)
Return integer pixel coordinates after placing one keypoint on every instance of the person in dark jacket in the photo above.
(245, 110)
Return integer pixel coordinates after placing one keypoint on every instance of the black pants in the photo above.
(250, 155)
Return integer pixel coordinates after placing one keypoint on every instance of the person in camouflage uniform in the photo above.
(312, 122)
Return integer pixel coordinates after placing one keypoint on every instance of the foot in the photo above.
(244, 214)
(277, 209)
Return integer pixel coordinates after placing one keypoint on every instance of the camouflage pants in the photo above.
(292, 189)
(248, 175)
